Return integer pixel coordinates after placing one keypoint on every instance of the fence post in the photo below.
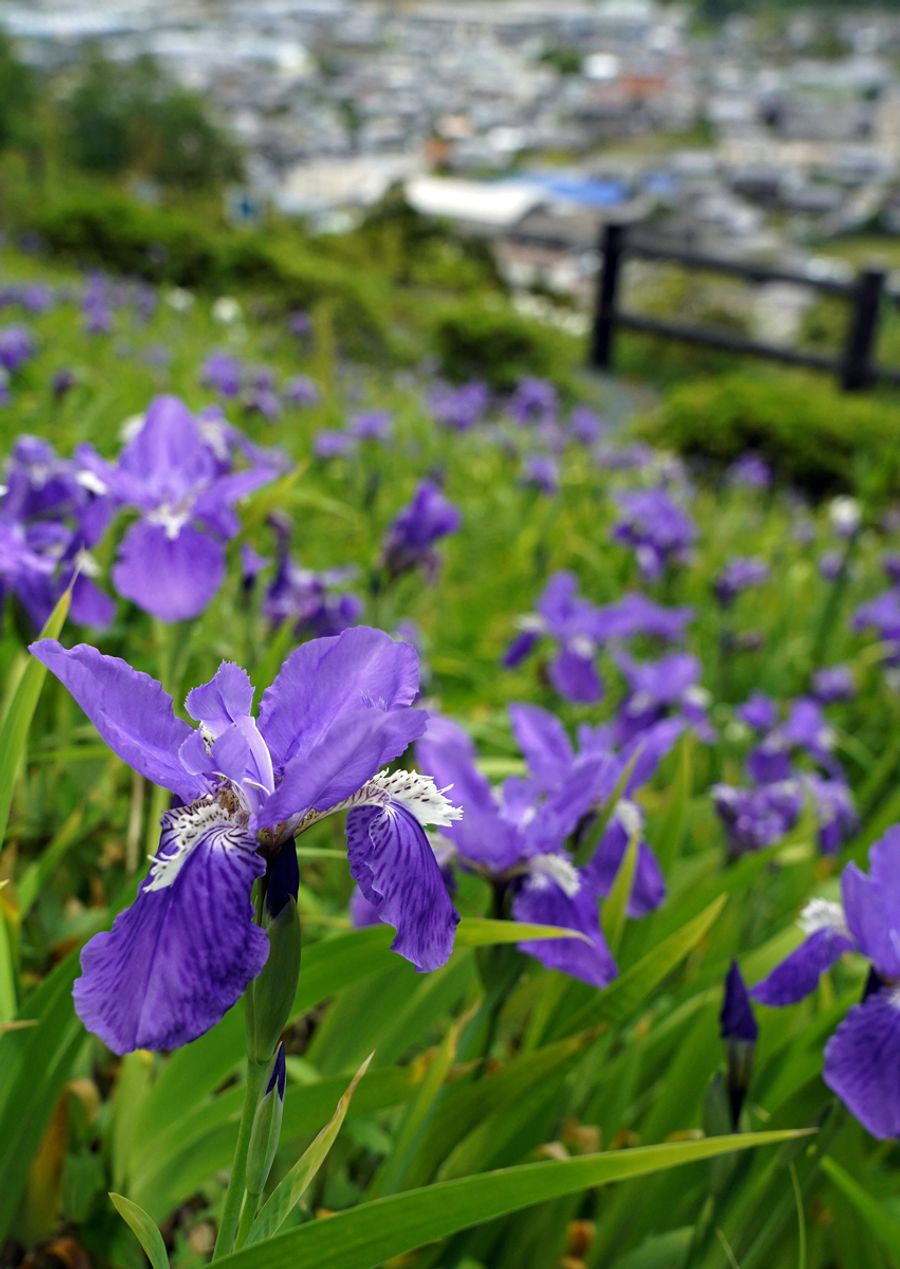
(856, 370)
(612, 243)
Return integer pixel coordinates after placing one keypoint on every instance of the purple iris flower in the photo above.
(338, 711)
(570, 621)
(308, 598)
(862, 1058)
(16, 347)
(761, 816)
(516, 844)
(660, 531)
(542, 473)
(301, 390)
(460, 408)
(804, 731)
(223, 373)
(177, 472)
(300, 324)
(33, 297)
(371, 425)
(758, 711)
(49, 521)
(586, 426)
(750, 472)
(737, 576)
(533, 400)
(410, 539)
(833, 683)
(891, 565)
(331, 443)
(62, 383)
(579, 628)
(757, 817)
(264, 401)
(517, 839)
(831, 565)
(667, 688)
(882, 615)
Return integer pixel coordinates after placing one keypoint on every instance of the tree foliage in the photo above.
(135, 119)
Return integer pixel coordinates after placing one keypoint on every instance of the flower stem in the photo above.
(257, 1074)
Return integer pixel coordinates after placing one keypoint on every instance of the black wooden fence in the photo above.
(854, 366)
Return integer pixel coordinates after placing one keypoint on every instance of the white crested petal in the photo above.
(183, 829)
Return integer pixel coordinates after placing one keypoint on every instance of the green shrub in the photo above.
(818, 438)
(477, 339)
(122, 235)
(125, 236)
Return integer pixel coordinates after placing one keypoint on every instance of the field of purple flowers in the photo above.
(522, 812)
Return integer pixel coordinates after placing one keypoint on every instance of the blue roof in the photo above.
(586, 190)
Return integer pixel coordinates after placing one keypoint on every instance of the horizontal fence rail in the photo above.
(855, 366)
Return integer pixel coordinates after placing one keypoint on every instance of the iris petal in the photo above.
(540, 901)
(129, 709)
(396, 871)
(172, 578)
(327, 678)
(799, 973)
(184, 952)
(862, 1063)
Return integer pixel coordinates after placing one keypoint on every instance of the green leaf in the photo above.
(13, 742)
(36, 1062)
(365, 1237)
(464, 1107)
(630, 991)
(886, 1230)
(202, 1143)
(144, 1230)
(73, 830)
(285, 1197)
(17, 720)
(418, 1112)
(484, 932)
(670, 837)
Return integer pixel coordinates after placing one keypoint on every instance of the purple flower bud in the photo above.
(282, 879)
(736, 1020)
(278, 1078)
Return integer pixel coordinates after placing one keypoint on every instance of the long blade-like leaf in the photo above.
(365, 1237)
(144, 1230)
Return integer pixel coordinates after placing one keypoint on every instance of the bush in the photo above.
(475, 339)
(119, 234)
(818, 438)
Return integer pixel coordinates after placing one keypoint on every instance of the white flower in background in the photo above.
(845, 515)
(179, 299)
(226, 310)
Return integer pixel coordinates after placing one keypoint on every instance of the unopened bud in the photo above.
(266, 1129)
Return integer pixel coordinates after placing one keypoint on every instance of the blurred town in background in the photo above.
(755, 134)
